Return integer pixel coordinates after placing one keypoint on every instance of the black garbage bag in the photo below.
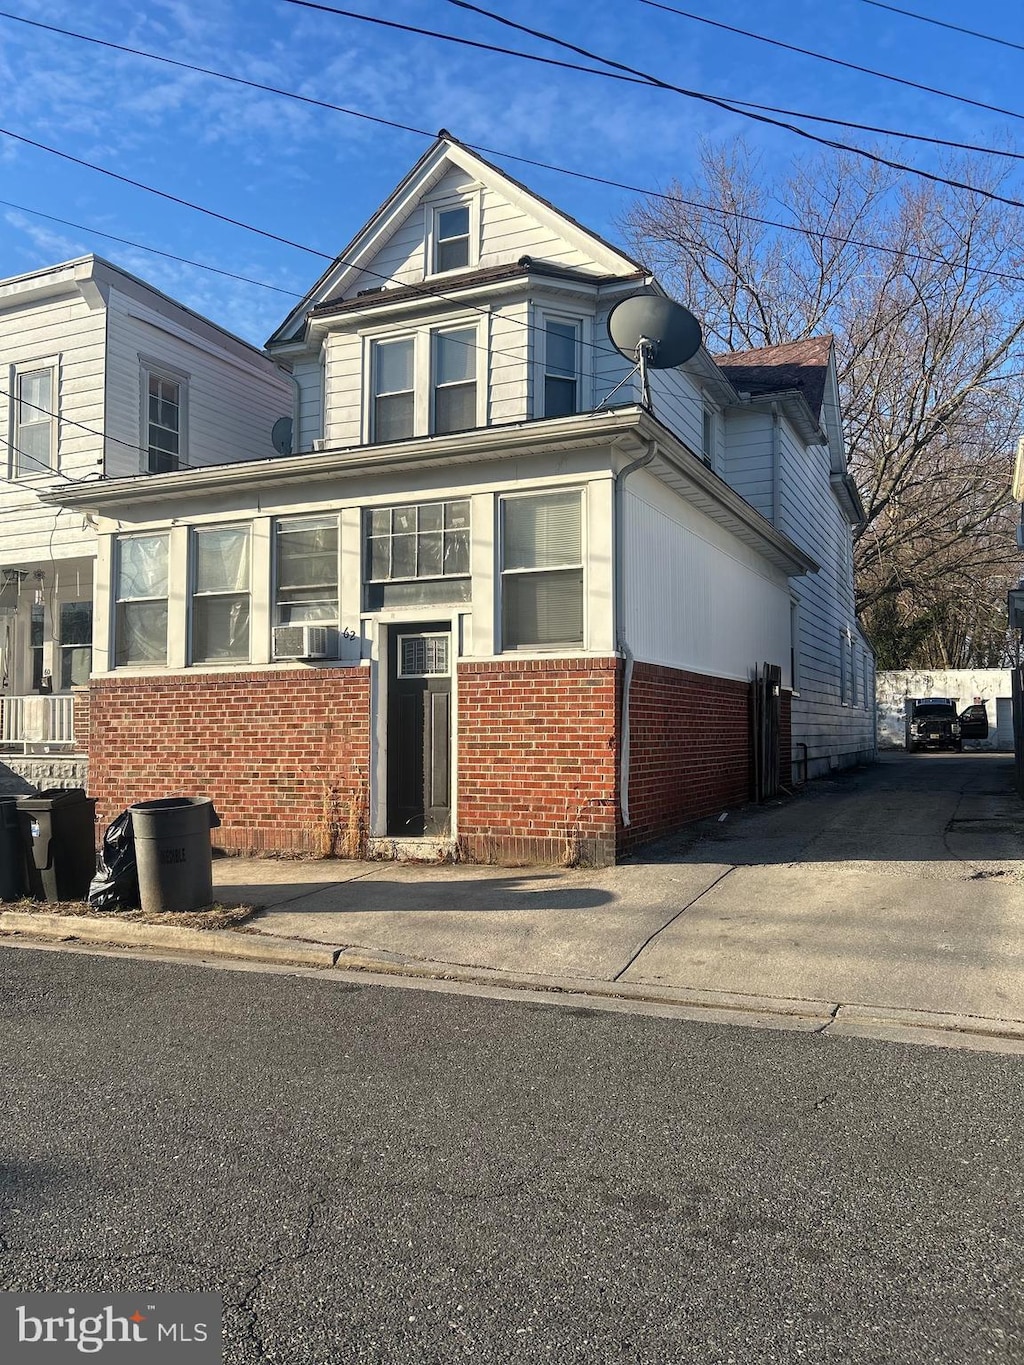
(116, 883)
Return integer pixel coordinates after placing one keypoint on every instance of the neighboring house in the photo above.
(477, 613)
(785, 453)
(969, 687)
(103, 378)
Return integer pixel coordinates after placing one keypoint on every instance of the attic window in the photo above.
(451, 238)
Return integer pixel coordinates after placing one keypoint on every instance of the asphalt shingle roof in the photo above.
(800, 365)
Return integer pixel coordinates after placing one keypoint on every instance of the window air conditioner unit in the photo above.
(300, 642)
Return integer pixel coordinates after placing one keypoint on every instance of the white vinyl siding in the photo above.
(696, 598)
(234, 396)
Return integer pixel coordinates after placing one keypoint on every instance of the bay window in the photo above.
(423, 384)
(561, 367)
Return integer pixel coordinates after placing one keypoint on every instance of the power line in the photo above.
(713, 100)
(273, 236)
(939, 23)
(834, 61)
(511, 156)
(903, 134)
(843, 239)
(153, 250)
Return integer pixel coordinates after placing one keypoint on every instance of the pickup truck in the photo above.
(935, 724)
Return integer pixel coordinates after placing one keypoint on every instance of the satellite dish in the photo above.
(655, 333)
(281, 435)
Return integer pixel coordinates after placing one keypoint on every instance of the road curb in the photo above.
(208, 942)
(829, 1018)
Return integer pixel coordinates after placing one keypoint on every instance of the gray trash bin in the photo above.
(173, 853)
(59, 830)
(12, 851)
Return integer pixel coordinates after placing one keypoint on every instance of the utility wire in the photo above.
(713, 100)
(408, 128)
(834, 61)
(153, 250)
(939, 23)
(512, 156)
(70, 422)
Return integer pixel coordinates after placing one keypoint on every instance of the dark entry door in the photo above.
(419, 730)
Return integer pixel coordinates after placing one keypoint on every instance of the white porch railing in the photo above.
(37, 722)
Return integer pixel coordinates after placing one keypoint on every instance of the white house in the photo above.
(477, 606)
(103, 378)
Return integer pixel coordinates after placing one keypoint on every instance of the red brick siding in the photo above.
(81, 704)
(689, 749)
(282, 753)
(537, 759)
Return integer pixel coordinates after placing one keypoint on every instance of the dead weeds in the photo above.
(216, 916)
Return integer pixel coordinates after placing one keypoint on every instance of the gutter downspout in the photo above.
(776, 466)
(620, 619)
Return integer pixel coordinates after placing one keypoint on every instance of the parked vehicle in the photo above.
(934, 724)
(974, 722)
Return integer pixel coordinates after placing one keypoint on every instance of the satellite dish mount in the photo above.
(656, 334)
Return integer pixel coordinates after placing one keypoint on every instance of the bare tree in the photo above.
(922, 287)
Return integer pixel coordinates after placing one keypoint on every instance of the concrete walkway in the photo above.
(891, 893)
(886, 901)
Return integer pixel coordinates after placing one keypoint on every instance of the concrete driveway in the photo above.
(895, 887)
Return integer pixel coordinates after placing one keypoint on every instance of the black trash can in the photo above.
(59, 830)
(173, 852)
(12, 851)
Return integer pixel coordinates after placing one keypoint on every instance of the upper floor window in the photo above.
(561, 367)
(542, 570)
(140, 593)
(220, 594)
(165, 396)
(306, 571)
(423, 384)
(417, 553)
(451, 238)
(454, 380)
(394, 389)
(34, 447)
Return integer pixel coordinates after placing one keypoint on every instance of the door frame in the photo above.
(386, 624)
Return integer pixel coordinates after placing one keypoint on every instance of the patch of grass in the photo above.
(216, 916)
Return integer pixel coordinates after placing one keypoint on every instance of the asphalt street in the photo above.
(390, 1175)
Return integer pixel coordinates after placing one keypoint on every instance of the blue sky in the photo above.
(314, 176)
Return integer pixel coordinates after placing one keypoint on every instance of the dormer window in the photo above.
(451, 238)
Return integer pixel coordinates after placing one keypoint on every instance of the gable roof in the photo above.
(795, 365)
(446, 152)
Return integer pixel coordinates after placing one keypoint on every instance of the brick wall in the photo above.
(284, 754)
(81, 702)
(690, 750)
(537, 759)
